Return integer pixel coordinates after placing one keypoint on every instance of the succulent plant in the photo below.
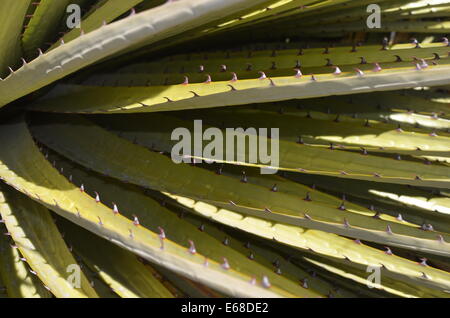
(93, 205)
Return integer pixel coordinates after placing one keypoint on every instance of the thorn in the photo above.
(342, 206)
(359, 72)
(234, 78)
(445, 40)
(388, 251)
(263, 75)
(357, 241)
(363, 60)
(274, 188)
(208, 79)
(313, 78)
(304, 283)
(225, 265)
(298, 73)
(389, 230)
(244, 177)
(82, 188)
(201, 227)
(62, 41)
(398, 157)
(223, 68)
(186, 81)
(97, 197)
(424, 276)
(337, 71)
(226, 241)
(416, 43)
(192, 249)
(265, 282)
(346, 224)
(423, 262)
(162, 234)
(115, 209)
(278, 271)
(377, 67)
(135, 220)
(427, 227)
(307, 197)
(423, 64)
(133, 12)
(251, 256)
(400, 218)
(440, 239)
(385, 44)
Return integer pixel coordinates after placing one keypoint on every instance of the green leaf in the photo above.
(15, 276)
(41, 244)
(140, 29)
(119, 268)
(95, 148)
(12, 15)
(91, 99)
(35, 177)
(42, 25)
